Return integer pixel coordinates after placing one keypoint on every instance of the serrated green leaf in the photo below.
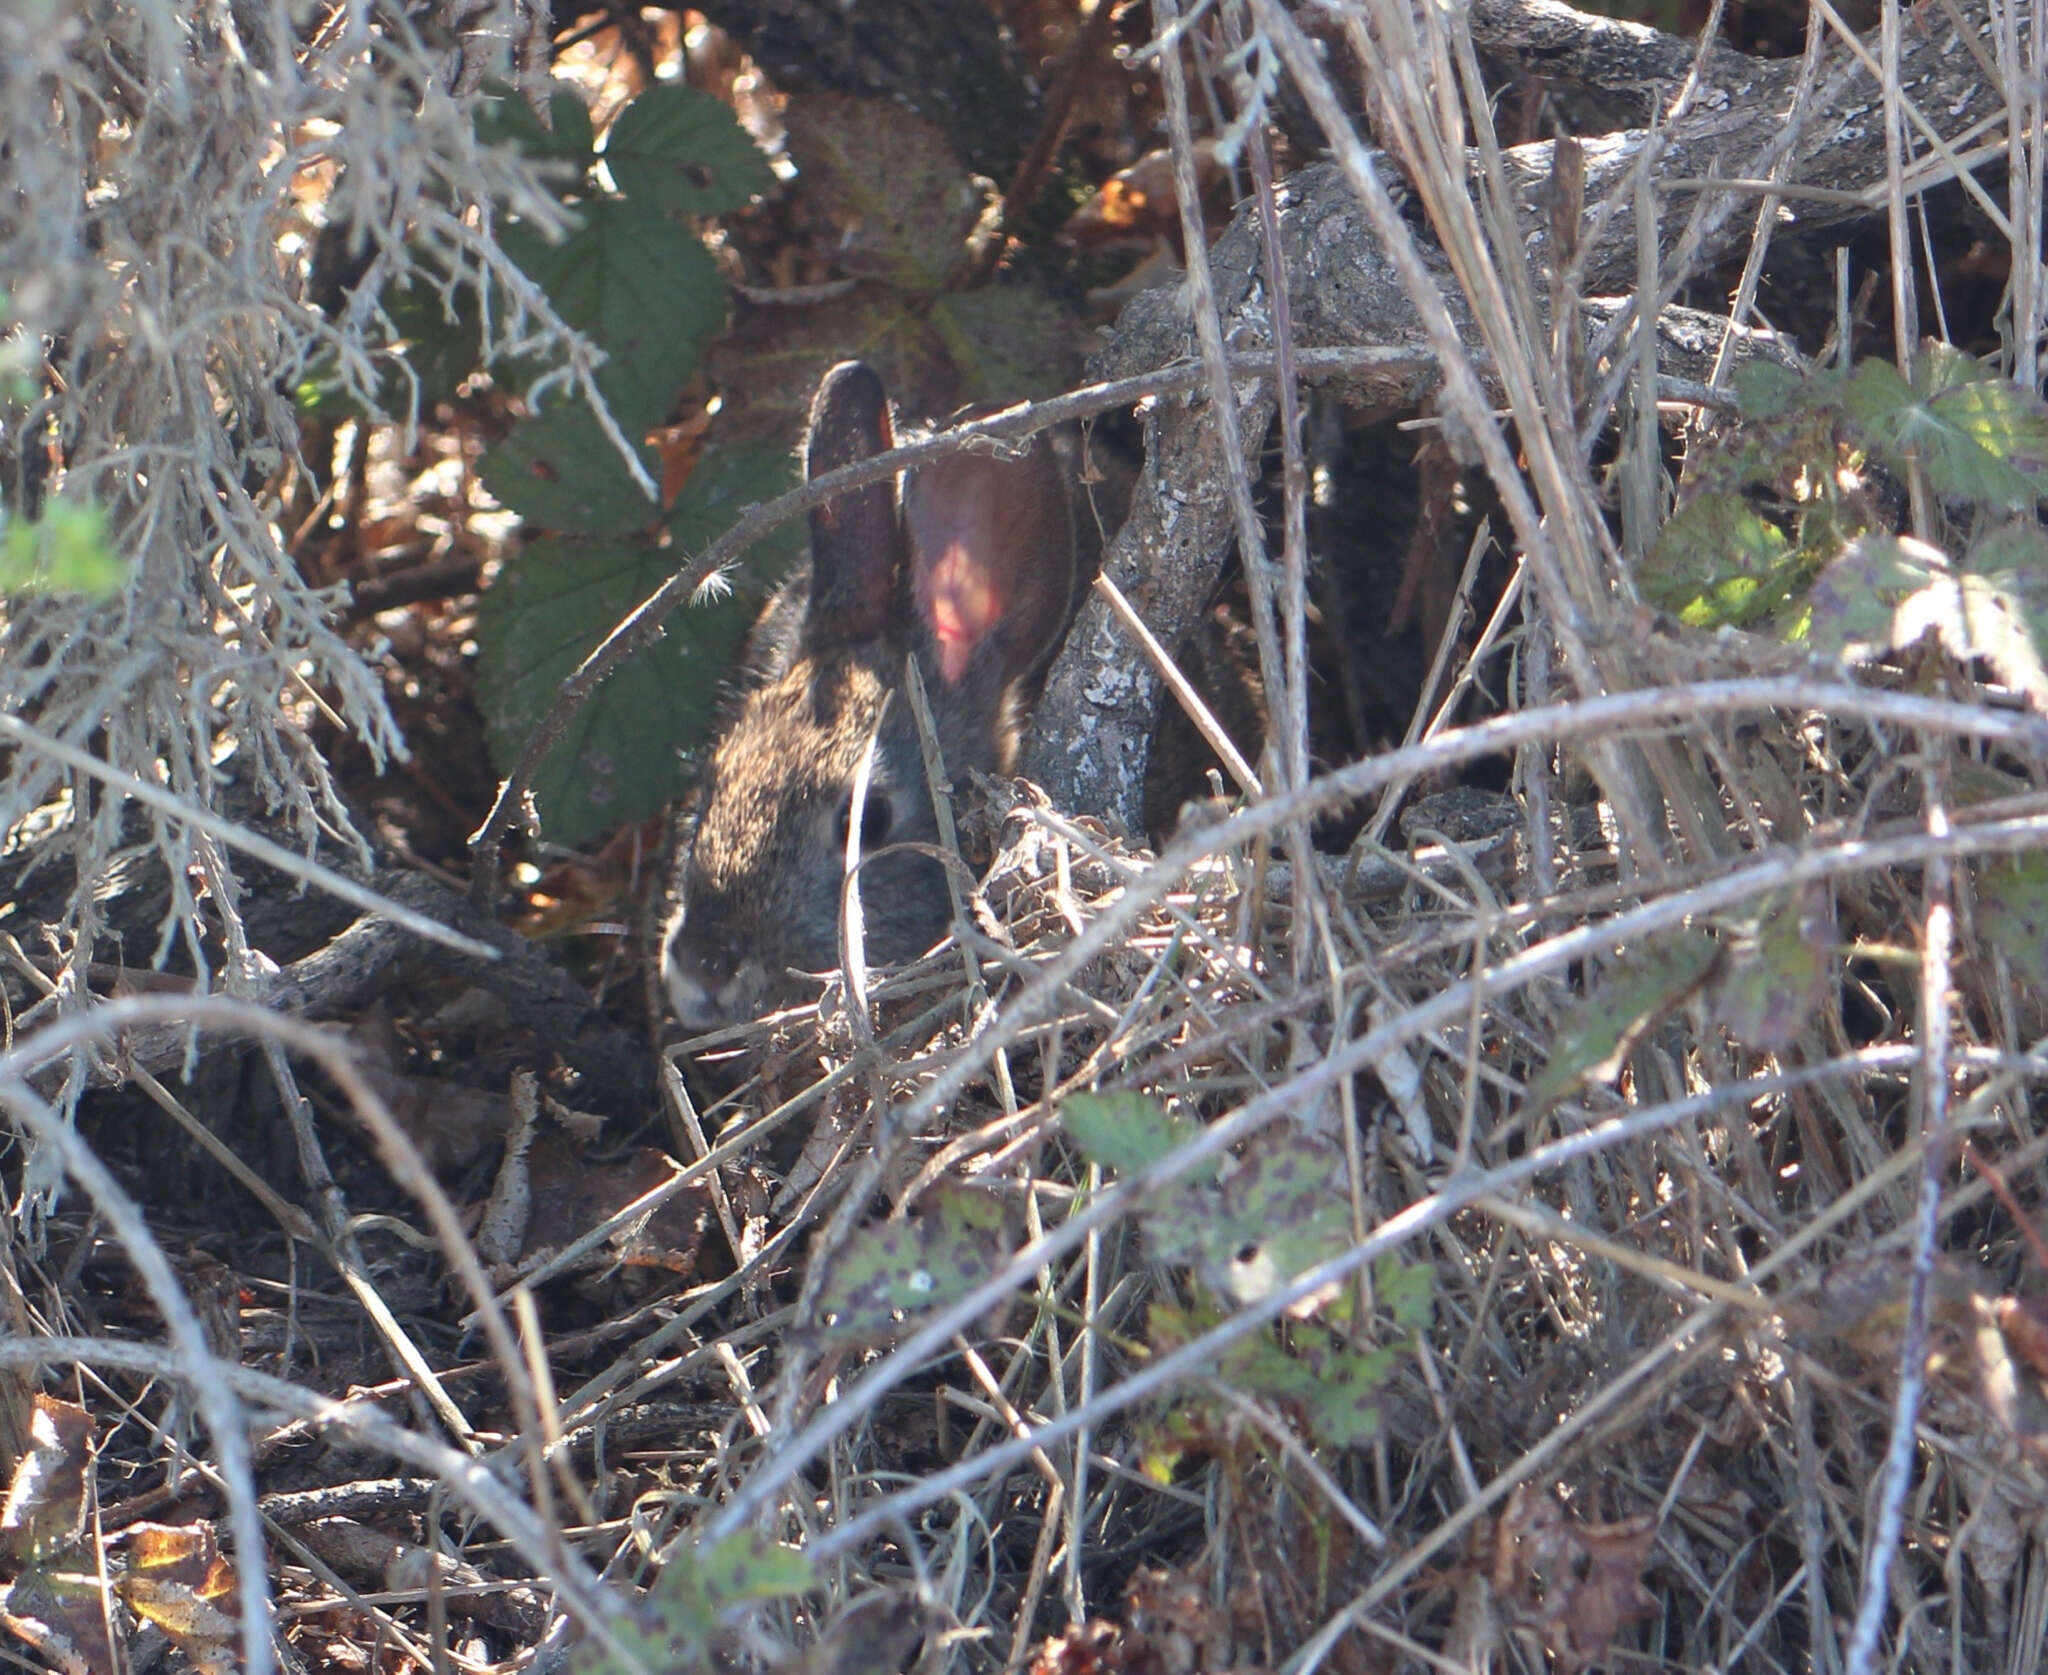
(684, 151)
(1169, 1324)
(1888, 592)
(1772, 980)
(558, 470)
(748, 1567)
(1125, 1132)
(1333, 1387)
(1710, 561)
(1288, 1204)
(441, 351)
(1877, 396)
(1260, 1364)
(1283, 1210)
(553, 604)
(1342, 1405)
(2012, 913)
(1640, 989)
(641, 287)
(1765, 390)
(674, 1627)
(1981, 438)
(1999, 456)
(1010, 342)
(2003, 619)
(503, 117)
(2004, 591)
(954, 1237)
(910, 203)
(1871, 601)
(1406, 1290)
(2016, 545)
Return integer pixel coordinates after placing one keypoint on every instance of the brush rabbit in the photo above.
(970, 567)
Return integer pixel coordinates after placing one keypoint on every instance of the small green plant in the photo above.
(1282, 1210)
(674, 1628)
(952, 1239)
(1760, 972)
(1779, 523)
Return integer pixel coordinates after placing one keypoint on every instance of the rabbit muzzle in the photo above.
(703, 996)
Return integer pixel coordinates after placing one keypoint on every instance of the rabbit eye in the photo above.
(875, 818)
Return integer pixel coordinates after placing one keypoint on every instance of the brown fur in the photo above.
(760, 887)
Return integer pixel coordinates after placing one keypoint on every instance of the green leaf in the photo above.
(1640, 989)
(1888, 592)
(1342, 1401)
(1406, 1290)
(1980, 437)
(558, 599)
(1766, 390)
(2012, 913)
(1333, 1387)
(684, 151)
(1710, 562)
(1010, 342)
(1774, 977)
(2003, 619)
(1125, 1132)
(747, 1568)
(1872, 601)
(503, 117)
(639, 285)
(953, 1238)
(2017, 546)
(66, 550)
(1282, 1211)
(441, 351)
(889, 181)
(558, 470)
(674, 1626)
(2004, 590)
(437, 339)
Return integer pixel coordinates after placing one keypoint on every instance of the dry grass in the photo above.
(1661, 1399)
(182, 167)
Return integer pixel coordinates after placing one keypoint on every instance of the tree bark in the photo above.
(1094, 725)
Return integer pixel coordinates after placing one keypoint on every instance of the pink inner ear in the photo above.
(961, 603)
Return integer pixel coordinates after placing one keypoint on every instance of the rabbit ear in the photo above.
(992, 557)
(857, 539)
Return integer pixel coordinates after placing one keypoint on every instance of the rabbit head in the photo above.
(969, 568)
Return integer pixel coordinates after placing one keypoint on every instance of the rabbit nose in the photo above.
(688, 995)
(704, 997)
(691, 987)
